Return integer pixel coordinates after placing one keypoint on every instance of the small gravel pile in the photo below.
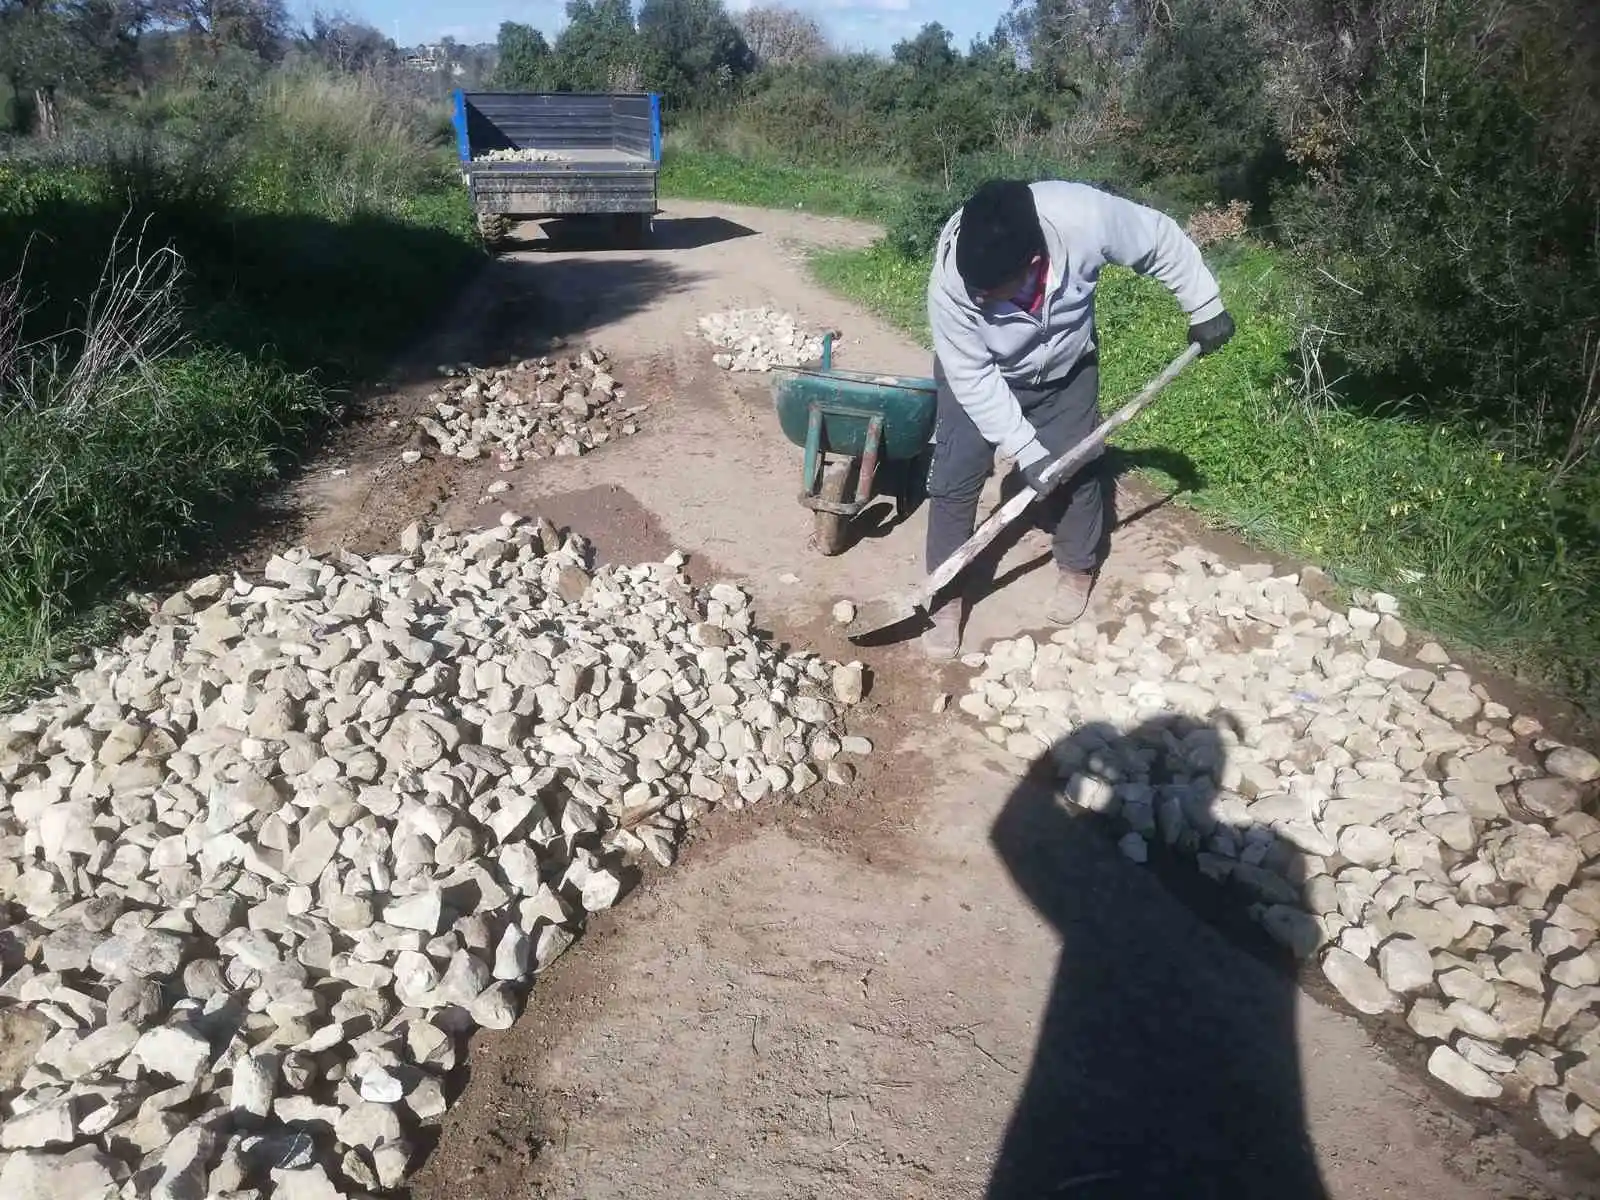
(527, 155)
(760, 339)
(267, 863)
(1437, 855)
(541, 409)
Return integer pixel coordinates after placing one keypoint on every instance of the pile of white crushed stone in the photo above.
(520, 155)
(760, 339)
(266, 863)
(539, 409)
(1436, 854)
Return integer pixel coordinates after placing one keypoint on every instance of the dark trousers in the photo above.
(1064, 412)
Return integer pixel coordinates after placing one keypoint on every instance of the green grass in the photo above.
(319, 228)
(713, 175)
(86, 492)
(1486, 553)
(884, 280)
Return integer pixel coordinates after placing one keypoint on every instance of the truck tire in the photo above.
(494, 228)
(632, 230)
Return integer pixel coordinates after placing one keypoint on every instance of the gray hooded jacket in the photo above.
(985, 350)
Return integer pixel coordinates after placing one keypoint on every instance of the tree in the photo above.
(50, 45)
(346, 44)
(599, 40)
(782, 37)
(260, 27)
(693, 49)
(1199, 93)
(526, 61)
(1081, 46)
(929, 52)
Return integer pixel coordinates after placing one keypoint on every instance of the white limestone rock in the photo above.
(1406, 965)
(1456, 1072)
(1361, 986)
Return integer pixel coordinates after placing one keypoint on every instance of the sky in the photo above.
(850, 24)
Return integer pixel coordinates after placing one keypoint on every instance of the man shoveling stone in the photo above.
(1011, 304)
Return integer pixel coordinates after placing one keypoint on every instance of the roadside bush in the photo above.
(339, 145)
(1458, 240)
(1198, 98)
(112, 435)
(135, 398)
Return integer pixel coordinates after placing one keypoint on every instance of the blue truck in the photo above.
(532, 155)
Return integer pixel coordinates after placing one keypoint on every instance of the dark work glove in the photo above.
(1033, 472)
(1212, 335)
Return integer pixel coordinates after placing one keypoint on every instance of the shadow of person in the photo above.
(1166, 1063)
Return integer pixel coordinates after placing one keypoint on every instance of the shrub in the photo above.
(134, 397)
(113, 435)
(1209, 224)
(339, 145)
(1457, 237)
(1198, 96)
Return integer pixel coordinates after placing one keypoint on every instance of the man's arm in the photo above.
(1153, 244)
(976, 380)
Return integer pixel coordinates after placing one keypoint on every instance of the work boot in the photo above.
(943, 642)
(1071, 597)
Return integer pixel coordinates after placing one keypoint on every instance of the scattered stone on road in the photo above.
(759, 339)
(1388, 818)
(540, 409)
(266, 861)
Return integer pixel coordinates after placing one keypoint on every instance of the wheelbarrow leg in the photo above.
(869, 461)
(837, 496)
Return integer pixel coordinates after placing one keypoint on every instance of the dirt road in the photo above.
(872, 996)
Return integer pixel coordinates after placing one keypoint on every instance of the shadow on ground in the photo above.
(568, 234)
(1166, 1063)
(523, 307)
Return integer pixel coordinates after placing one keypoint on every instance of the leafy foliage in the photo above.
(598, 42)
(693, 49)
(49, 45)
(1460, 229)
(781, 37)
(259, 27)
(318, 224)
(1198, 95)
(526, 61)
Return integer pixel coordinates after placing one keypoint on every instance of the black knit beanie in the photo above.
(999, 234)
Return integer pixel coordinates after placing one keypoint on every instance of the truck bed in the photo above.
(575, 159)
(609, 143)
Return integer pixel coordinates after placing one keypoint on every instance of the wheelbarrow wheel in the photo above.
(830, 530)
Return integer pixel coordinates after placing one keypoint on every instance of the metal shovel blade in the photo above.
(889, 611)
(884, 613)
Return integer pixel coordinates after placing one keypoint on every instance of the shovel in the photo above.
(894, 610)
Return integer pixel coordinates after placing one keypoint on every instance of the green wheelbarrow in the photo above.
(876, 429)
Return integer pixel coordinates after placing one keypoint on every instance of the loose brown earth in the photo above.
(857, 996)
